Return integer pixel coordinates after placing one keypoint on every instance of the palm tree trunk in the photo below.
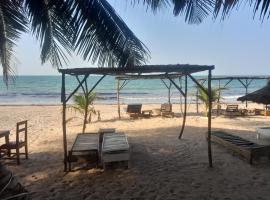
(85, 120)
(10, 188)
(85, 112)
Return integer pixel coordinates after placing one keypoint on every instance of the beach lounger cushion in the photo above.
(115, 148)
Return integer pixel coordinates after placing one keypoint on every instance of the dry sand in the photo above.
(162, 167)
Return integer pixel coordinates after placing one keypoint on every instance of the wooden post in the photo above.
(219, 94)
(169, 93)
(63, 99)
(185, 110)
(118, 99)
(246, 92)
(197, 100)
(209, 118)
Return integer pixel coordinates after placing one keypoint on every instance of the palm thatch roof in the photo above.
(259, 96)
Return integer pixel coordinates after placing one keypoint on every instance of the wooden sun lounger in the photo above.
(246, 148)
(115, 148)
(166, 110)
(134, 110)
(232, 111)
(86, 145)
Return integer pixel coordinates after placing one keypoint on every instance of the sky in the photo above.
(237, 46)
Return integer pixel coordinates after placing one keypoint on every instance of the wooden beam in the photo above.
(183, 69)
(185, 111)
(63, 98)
(125, 82)
(177, 87)
(97, 83)
(118, 99)
(198, 84)
(228, 82)
(76, 89)
(209, 118)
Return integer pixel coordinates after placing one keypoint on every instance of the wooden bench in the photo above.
(166, 110)
(115, 148)
(134, 110)
(86, 146)
(246, 148)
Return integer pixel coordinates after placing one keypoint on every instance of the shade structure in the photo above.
(259, 96)
(166, 71)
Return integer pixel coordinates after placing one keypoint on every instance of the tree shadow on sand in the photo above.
(161, 167)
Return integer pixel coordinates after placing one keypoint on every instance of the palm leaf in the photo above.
(103, 37)
(12, 24)
(51, 24)
(197, 10)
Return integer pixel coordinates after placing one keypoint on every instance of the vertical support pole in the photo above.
(118, 99)
(181, 102)
(185, 110)
(218, 102)
(197, 100)
(209, 118)
(169, 93)
(246, 86)
(63, 99)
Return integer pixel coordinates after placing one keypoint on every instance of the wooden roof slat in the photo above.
(237, 78)
(144, 69)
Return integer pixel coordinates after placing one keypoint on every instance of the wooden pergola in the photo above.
(123, 80)
(185, 70)
(244, 80)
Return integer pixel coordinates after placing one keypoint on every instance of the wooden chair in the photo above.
(166, 110)
(21, 128)
(232, 110)
(134, 110)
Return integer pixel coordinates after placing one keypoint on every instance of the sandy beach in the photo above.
(162, 167)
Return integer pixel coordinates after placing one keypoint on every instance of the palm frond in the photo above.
(12, 24)
(196, 10)
(103, 37)
(51, 24)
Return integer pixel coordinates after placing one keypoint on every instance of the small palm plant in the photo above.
(215, 92)
(83, 103)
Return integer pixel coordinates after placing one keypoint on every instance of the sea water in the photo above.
(47, 90)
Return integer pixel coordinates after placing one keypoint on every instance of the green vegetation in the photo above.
(215, 93)
(84, 105)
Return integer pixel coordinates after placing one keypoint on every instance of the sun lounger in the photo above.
(263, 132)
(134, 110)
(246, 148)
(86, 146)
(166, 110)
(115, 148)
(232, 111)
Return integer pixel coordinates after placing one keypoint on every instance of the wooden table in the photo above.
(5, 133)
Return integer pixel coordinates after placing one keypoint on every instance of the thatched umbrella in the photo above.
(259, 96)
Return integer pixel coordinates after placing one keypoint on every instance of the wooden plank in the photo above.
(115, 148)
(85, 145)
(245, 152)
(242, 146)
